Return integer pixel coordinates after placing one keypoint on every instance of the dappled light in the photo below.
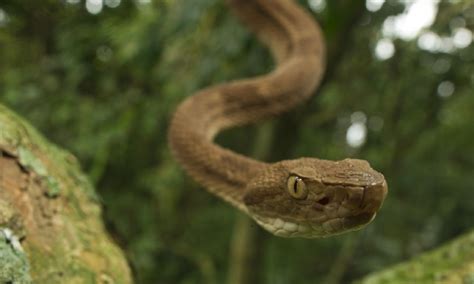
(418, 14)
(357, 131)
(3, 17)
(317, 5)
(374, 5)
(356, 134)
(445, 89)
(94, 6)
(462, 37)
(384, 49)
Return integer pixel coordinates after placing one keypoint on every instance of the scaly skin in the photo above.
(339, 196)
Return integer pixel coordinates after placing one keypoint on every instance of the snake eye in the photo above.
(296, 187)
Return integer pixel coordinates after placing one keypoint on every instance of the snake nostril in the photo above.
(323, 201)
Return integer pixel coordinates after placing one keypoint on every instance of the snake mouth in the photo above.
(335, 226)
(358, 220)
(372, 199)
(342, 225)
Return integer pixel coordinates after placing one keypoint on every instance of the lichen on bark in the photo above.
(51, 229)
(15, 267)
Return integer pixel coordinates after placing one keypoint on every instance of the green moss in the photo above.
(14, 266)
(469, 278)
(454, 260)
(29, 161)
(25, 142)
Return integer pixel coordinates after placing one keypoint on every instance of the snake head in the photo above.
(315, 198)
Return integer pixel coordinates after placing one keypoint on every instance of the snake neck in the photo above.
(221, 171)
(297, 45)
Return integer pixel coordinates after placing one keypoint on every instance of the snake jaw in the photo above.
(332, 227)
(281, 228)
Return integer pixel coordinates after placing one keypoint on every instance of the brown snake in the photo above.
(305, 197)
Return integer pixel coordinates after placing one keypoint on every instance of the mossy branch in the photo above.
(51, 229)
(451, 263)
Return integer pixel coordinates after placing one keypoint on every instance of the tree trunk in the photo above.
(51, 229)
(247, 246)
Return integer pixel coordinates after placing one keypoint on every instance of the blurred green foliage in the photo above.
(104, 86)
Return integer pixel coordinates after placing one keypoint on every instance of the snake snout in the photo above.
(373, 197)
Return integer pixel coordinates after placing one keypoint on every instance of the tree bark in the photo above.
(450, 263)
(51, 229)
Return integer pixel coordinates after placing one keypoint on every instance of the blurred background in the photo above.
(102, 77)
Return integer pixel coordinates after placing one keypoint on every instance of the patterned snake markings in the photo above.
(305, 197)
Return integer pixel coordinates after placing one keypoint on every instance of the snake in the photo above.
(305, 197)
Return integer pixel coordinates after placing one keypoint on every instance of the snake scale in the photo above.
(305, 197)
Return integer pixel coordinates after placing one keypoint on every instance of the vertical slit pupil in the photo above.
(295, 185)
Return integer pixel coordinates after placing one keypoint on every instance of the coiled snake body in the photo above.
(306, 197)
